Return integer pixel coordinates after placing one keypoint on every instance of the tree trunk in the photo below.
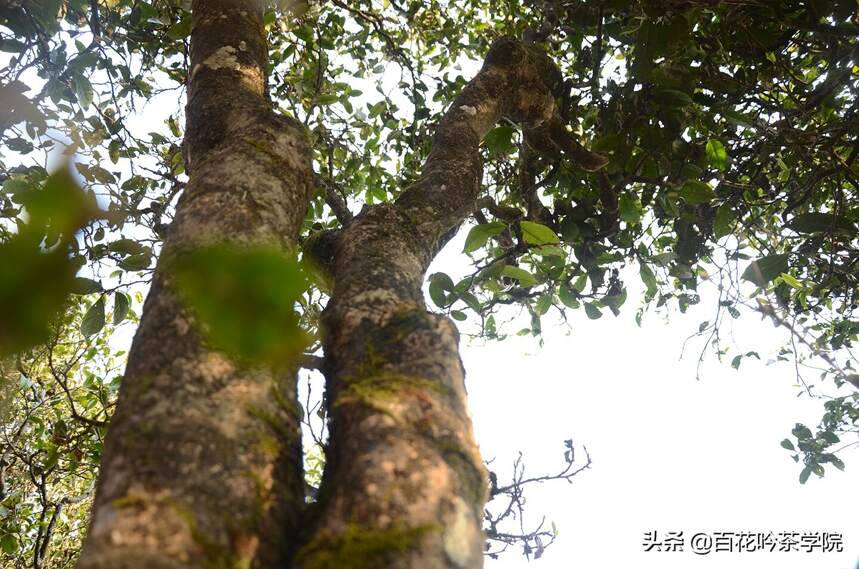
(202, 466)
(404, 484)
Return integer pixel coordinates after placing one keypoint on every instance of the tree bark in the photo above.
(202, 465)
(404, 484)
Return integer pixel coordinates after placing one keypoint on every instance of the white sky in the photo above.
(669, 453)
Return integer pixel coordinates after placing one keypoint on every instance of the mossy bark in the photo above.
(402, 456)
(194, 473)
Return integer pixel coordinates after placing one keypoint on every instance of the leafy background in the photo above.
(730, 130)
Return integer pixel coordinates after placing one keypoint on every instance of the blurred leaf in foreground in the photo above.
(245, 300)
(37, 270)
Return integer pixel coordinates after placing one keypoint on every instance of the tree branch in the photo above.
(334, 199)
(309, 361)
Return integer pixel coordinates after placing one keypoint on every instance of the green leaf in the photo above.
(739, 118)
(536, 327)
(615, 301)
(443, 280)
(525, 278)
(13, 100)
(607, 142)
(630, 208)
(48, 12)
(180, 29)
(695, 192)
(673, 97)
(16, 185)
(570, 229)
(34, 285)
(801, 432)
(791, 281)
(136, 262)
(458, 315)
(102, 175)
(327, 99)
(19, 144)
(593, 311)
(93, 320)
(821, 222)
(830, 437)
(83, 90)
(722, 221)
(786, 444)
(52, 458)
(543, 304)
(120, 307)
(377, 108)
(113, 150)
(9, 544)
(60, 204)
(537, 234)
(126, 247)
(499, 140)
(35, 282)
(762, 271)
(648, 278)
(245, 299)
(550, 251)
(12, 45)
(173, 126)
(304, 33)
(568, 296)
(83, 286)
(480, 234)
(470, 300)
(440, 284)
(836, 462)
(717, 156)
(806, 472)
(735, 363)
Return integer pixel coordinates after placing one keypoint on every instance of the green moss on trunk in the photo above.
(359, 548)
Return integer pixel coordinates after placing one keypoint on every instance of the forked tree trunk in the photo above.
(202, 466)
(194, 475)
(404, 484)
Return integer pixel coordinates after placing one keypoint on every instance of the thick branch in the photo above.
(518, 82)
(202, 465)
(551, 138)
(402, 465)
(529, 187)
(334, 199)
(226, 76)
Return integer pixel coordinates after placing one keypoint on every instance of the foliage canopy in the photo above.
(729, 129)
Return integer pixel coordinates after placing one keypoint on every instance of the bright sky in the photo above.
(669, 453)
